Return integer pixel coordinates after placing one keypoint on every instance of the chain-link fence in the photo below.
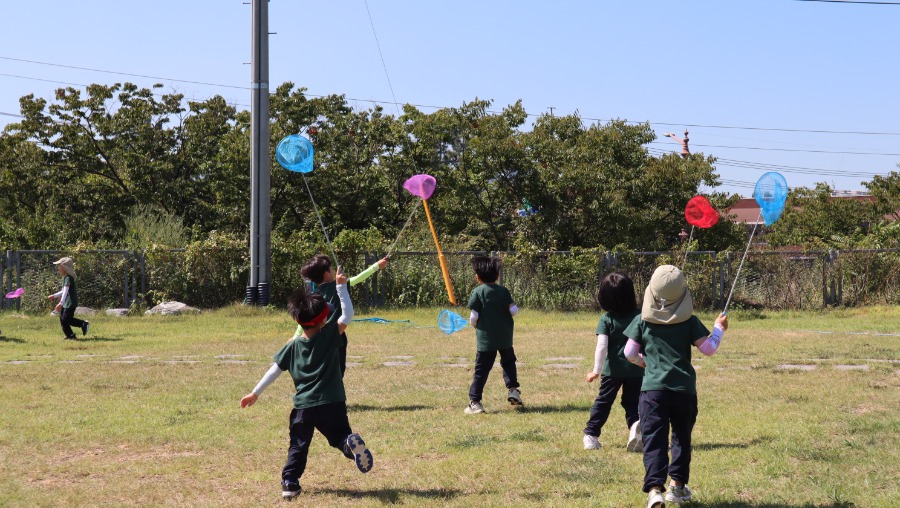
(213, 277)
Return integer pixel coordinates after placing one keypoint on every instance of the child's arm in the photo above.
(709, 345)
(633, 353)
(344, 297)
(368, 272)
(513, 309)
(599, 357)
(266, 380)
(473, 318)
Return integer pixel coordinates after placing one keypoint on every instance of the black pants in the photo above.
(660, 410)
(330, 419)
(609, 388)
(484, 362)
(67, 319)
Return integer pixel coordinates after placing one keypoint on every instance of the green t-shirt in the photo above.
(616, 364)
(494, 329)
(313, 365)
(328, 290)
(667, 353)
(71, 301)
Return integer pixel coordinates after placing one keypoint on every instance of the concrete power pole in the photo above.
(258, 292)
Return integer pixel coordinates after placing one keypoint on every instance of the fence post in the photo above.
(18, 279)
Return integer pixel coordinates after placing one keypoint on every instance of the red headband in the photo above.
(318, 319)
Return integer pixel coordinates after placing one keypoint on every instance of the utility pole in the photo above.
(258, 291)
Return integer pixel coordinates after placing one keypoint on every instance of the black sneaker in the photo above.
(289, 490)
(84, 328)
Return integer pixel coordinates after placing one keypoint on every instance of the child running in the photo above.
(616, 297)
(318, 270)
(68, 299)
(661, 342)
(492, 316)
(320, 402)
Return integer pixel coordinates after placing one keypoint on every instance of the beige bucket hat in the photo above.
(667, 300)
(67, 264)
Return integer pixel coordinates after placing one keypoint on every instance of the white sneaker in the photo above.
(591, 442)
(515, 397)
(474, 408)
(678, 494)
(635, 440)
(655, 499)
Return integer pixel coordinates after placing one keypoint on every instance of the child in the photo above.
(319, 271)
(320, 402)
(616, 297)
(664, 334)
(68, 299)
(492, 316)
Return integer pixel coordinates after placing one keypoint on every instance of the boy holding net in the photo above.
(318, 270)
(661, 341)
(320, 402)
(68, 299)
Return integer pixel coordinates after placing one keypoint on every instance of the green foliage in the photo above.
(812, 218)
(147, 227)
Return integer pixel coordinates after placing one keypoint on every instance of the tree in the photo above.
(812, 218)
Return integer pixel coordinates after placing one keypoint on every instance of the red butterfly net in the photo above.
(700, 213)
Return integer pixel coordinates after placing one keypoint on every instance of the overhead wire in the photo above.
(397, 103)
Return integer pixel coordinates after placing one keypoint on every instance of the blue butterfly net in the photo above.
(770, 193)
(295, 153)
(451, 322)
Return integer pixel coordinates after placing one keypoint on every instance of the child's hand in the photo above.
(51, 297)
(58, 307)
(591, 376)
(722, 321)
(249, 400)
(382, 263)
(341, 277)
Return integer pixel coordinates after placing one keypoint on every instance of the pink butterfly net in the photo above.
(420, 185)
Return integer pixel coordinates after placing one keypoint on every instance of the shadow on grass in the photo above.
(568, 408)
(741, 504)
(730, 446)
(12, 339)
(95, 339)
(389, 409)
(392, 496)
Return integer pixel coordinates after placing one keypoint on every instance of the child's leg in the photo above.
(631, 395)
(508, 364)
(65, 320)
(332, 422)
(654, 410)
(484, 361)
(609, 387)
(684, 415)
(302, 425)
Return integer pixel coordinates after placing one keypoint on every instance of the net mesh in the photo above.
(770, 193)
(295, 153)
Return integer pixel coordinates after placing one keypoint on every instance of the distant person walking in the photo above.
(68, 299)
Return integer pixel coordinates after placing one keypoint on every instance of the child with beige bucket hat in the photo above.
(68, 299)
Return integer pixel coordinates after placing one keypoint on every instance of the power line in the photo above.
(849, 2)
(397, 103)
(383, 65)
(793, 150)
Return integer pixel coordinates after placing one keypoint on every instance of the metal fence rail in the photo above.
(214, 277)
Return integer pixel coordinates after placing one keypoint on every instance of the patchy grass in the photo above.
(80, 427)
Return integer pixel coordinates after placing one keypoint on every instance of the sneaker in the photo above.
(289, 490)
(84, 328)
(635, 440)
(474, 408)
(591, 442)
(361, 454)
(675, 494)
(515, 397)
(656, 499)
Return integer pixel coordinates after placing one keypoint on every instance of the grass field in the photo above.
(144, 412)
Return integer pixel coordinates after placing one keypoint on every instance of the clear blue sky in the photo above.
(779, 64)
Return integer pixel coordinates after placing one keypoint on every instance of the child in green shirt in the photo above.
(68, 299)
(318, 270)
(320, 401)
(661, 341)
(492, 311)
